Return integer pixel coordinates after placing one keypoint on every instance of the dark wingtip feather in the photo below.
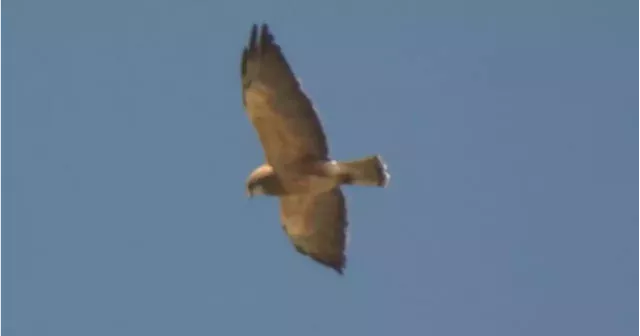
(338, 266)
(266, 38)
(254, 36)
(243, 63)
(246, 52)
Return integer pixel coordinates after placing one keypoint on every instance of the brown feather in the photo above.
(316, 225)
(283, 116)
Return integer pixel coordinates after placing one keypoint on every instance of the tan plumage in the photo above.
(298, 169)
(287, 125)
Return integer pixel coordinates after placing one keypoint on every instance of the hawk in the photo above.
(298, 169)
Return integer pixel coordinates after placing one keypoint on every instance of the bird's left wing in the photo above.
(317, 226)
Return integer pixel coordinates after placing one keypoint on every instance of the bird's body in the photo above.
(298, 168)
(309, 179)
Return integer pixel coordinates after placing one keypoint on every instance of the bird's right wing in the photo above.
(283, 116)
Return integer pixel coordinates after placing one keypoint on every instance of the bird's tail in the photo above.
(368, 171)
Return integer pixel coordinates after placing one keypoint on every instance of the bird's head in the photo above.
(255, 188)
(261, 181)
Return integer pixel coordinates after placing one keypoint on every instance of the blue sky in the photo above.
(509, 128)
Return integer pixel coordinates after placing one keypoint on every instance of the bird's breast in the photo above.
(298, 184)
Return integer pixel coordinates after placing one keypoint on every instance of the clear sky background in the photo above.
(510, 129)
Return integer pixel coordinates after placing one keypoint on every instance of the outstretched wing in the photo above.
(287, 125)
(316, 225)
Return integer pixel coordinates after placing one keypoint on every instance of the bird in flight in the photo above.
(298, 169)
